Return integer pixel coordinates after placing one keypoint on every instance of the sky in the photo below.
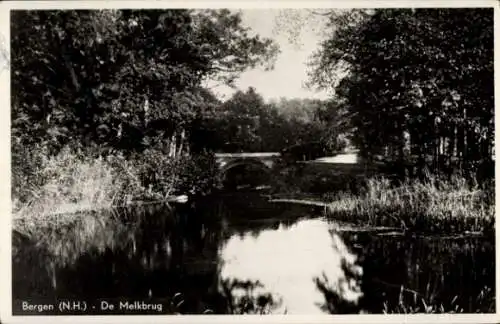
(289, 73)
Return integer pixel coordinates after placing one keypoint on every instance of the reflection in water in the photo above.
(413, 274)
(291, 267)
(146, 252)
(241, 255)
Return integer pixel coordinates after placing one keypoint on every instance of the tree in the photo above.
(246, 123)
(127, 79)
(418, 81)
(311, 121)
(241, 121)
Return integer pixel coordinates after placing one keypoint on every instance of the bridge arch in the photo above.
(225, 167)
(244, 172)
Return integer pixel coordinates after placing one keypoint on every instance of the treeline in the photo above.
(419, 85)
(120, 83)
(124, 78)
(246, 123)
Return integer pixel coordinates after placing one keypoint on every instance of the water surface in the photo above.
(239, 254)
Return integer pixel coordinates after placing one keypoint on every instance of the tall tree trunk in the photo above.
(172, 144)
(451, 150)
(146, 111)
(461, 147)
(181, 142)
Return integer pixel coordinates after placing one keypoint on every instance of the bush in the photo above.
(199, 175)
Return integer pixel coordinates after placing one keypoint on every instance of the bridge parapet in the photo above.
(248, 155)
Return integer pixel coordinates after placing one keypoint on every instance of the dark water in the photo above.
(239, 254)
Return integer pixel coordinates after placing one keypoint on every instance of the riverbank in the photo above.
(74, 181)
(431, 206)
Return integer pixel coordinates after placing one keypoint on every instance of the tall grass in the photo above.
(431, 205)
(70, 182)
(47, 186)
(410, 302)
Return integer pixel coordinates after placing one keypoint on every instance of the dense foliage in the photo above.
(121, 80)
(418, 83)
(245, 122)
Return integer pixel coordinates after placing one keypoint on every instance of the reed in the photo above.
(414, 304)
(61, 187)
(430, 205)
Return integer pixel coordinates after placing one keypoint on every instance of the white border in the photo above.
(5, 199)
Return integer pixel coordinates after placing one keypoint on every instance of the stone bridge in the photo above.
(265, 160)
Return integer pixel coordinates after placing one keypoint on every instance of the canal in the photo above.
(239, 254)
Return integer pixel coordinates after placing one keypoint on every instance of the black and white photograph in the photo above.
(278, 160)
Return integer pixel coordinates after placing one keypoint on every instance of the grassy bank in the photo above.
(45, 186)
(432, 205)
